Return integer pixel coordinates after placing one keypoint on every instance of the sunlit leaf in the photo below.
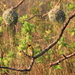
(57, 67)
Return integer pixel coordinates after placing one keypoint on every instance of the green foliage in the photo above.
(9, 57)
(60, 43)
(40, 59)
(41, 3)
(0, 19)
(50, 51)
(10, 54)
(1, 60)
(5, 61)
(3, 7)
(26, 32)
(27, 28)
(48, 54)
(34, 10)
(1, 30)
(3, 70)
(71, 6)
(37, 51)
(57, 67)
(72, 31)
(24, 17)
(73, 44)
(61, 52)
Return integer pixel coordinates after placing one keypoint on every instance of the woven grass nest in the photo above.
(56, 15)
(10, 17)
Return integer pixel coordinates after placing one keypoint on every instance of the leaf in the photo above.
(61, 52)
(23, 18)
(5, 61)
(0, 20)
(71, 6)
(1, 60)
(73, 44)
(39, 60)
(65, 44)
(50, 51)
(3, 70)
(59, 47)
(57, 67)
(61, 41)
(10, 54)
(41, 3)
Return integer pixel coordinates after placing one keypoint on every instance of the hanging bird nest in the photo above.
(56, 15)
(10, 17)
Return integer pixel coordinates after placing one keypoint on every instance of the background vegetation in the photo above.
(40, 32)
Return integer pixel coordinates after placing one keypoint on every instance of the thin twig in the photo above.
(16, 6)
(25, 54)
(41, 16)
(28, 69)
(58, 2)
(33, 17)
(61, 59)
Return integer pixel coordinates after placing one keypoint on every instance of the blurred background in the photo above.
(40, 32)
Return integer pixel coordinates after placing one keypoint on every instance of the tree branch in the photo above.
(60, 35)
(18, 4)
(47, 48)
(41, 16)
(61, 59)
(28, 69)
(25, 54)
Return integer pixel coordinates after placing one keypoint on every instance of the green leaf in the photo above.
(73, 44)
(71, 6)
(3, 70)
(41, 3)
(61, 41)
(0, 20)
(59, 47)
(61, 52)
(50, 51)
(10, 54)
(1, 60)
(65, 44)
(5, 61)
(39, 60)
(57, 67)
(23, 18)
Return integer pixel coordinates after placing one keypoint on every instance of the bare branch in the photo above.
(28, 69)
(44, 14)
(18, 4)
(41, 16)
(33, 17)
(60, 35)
(58, 2)
(26, 54)
(61, 59)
